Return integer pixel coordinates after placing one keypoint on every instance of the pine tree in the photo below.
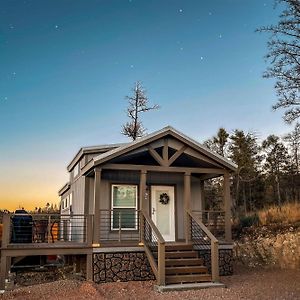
(138, 103)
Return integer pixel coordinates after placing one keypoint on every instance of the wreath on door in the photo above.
(164, 198)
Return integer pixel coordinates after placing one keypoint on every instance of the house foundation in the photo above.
(225, 260)
(131, 264)
(121, 265)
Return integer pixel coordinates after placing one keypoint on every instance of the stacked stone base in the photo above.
(134, 265)
(225, 260)
(121, 266)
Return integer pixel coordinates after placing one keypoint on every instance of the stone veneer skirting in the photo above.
(132, 264)
(121, 266)
(225, 260)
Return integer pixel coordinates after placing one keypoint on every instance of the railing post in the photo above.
(49, 229)
(215, 261)
(161, 275)
(187, 205)
(97, 196)
(227, 205)
(141, 243)
(120, 226)
(89, 230)
(6, 230)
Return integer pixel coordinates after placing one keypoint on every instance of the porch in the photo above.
(51, 234)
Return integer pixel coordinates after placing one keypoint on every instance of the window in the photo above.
(124, 206)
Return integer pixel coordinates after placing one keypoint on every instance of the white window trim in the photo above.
(124, 207)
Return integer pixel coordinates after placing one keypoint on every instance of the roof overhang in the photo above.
(64, 189)
(90, 150)
(167, 131)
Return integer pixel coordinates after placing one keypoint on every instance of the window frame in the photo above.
(135, 208)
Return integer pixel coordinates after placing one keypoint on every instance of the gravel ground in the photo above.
(255, 283)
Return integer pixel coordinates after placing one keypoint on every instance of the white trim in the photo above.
(171, 191)
(123, 207)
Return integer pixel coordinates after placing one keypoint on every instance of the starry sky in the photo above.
(66, 67)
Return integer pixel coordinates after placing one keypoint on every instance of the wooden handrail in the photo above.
(159, 268)
(203, 227)
(214, 244)
(153, 227)
(208, 211)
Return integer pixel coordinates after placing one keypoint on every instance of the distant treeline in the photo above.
(268, 170)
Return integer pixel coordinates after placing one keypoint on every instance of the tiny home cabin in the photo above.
(147, 200)
(138, 211)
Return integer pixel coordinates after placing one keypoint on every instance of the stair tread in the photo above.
(184, 261)
(179, 254)
(179, 247)
(186, 270)
(188, 278)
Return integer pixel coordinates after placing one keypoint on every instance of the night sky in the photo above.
(66, 67)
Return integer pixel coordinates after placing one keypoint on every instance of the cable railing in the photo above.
(203, 239)
(46, 228)
(214, 220)
(120, 224)
(154, 245)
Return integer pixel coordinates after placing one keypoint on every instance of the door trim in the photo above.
(172, 214)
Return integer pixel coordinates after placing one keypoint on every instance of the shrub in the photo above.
(248, 221)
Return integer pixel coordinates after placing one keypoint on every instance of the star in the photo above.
(11, 26)
(5, 98)
(210, 13)
(14, 73)
(131, 66)
(201, 57)
(220, 36)
(181, 49)
(56, 26)
(180, 10)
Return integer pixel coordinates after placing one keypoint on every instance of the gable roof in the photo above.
(125, 148)
(90, 150)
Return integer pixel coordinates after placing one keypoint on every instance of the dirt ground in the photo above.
(256, 283)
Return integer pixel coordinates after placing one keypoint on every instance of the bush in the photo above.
(249, 220)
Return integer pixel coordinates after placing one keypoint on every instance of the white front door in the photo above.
(163, 210)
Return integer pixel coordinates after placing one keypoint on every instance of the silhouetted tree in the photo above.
(138, 103)
(284, 57)
(293, 140)
(219, 142)
(245, 152)
(276, 162)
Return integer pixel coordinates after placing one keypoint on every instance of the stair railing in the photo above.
(154, 245)
(203, 239)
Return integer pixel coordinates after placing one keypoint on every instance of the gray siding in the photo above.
(153, 178)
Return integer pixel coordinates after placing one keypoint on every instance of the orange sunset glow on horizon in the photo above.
(31, 188)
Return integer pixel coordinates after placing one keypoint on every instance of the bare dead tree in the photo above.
(138, 103)
(284, 57)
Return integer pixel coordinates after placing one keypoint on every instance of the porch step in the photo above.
(187, 286)
(179, 247)
(187, 278)
(186, 270)
(182, 254)
(184, 262)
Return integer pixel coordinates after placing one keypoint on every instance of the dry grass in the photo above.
(285, 214)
